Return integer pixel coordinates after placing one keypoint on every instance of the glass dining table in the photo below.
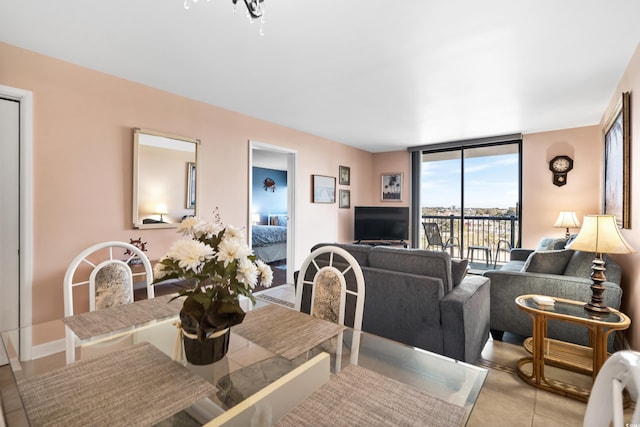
(130, 374)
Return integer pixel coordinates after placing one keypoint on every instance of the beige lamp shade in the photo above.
(600, 234)
(567, 219)
(161, 209)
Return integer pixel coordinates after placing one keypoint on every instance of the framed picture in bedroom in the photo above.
(345, 175)
(324, 189)
(344, 198)
(391, 187)
(617, 159)
(191, 185)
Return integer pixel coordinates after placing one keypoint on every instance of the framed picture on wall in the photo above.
(344, 199)
(191, 185)
(345, 175)
(391, 187)
(617, 146)
(324, 189)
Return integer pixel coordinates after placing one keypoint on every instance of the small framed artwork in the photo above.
(324, 189)
(345, 175)
(345, 199)
(391, 187)
(191, 185)
(617, 146)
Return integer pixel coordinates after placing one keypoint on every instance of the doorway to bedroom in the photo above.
(271, 194)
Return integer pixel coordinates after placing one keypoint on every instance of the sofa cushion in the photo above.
(580, 266)
(548, 262)
(458, 270)
(551, 244)
(414, 261)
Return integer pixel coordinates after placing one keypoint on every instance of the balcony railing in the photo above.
(491, 232)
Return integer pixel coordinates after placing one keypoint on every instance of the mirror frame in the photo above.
(137, 223)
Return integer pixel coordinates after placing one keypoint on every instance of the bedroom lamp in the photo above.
(255, 218)
(599, 234)
(161, 209)
(567, 219)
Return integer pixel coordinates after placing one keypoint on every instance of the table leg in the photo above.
(599, 348)
(539, 333)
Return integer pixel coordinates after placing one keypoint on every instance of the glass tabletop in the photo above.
(249, 368)
(571, 309)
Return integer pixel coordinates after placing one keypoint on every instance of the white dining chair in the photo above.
(324, 274)
(104, 269)
(620, 371)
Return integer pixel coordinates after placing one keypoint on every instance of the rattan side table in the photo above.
(577, 358)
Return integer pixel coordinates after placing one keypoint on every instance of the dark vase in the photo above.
(210, 351)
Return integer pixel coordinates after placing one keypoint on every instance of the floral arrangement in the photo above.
(219, 266)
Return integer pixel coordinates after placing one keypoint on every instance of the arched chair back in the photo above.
(324, 274)
(620, 371)
(109, 277)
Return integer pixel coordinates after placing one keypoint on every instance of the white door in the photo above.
(9, 215)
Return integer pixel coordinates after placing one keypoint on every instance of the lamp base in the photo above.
(596, 305)
(596, 308)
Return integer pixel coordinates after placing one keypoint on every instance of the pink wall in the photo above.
(541, 199)
(630, 82)
(83, 145)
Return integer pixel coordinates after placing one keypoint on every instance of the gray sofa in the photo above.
(413, 296)
(550, 270)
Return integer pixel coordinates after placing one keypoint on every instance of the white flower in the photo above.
(190, 226)
(159, 269)
(190, 254)
(234, 233)
(265, 272)
(209, 230)
(232, 249)
(247, 273)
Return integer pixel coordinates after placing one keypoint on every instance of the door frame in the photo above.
(26, 208)
(291, 192)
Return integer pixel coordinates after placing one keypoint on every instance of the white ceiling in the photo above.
(376, 74)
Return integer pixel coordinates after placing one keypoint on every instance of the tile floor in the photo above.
(505, 400)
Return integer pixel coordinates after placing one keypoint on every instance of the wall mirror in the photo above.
(164, 178)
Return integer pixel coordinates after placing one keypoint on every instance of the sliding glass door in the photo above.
(472, 193)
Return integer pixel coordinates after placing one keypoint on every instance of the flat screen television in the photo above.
(381, 223)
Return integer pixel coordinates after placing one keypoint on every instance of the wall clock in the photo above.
(560, 166)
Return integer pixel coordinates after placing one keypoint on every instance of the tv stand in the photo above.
(383, 243)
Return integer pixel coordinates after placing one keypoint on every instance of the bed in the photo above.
(269, 242)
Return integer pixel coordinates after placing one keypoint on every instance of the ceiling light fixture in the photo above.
(255, 9)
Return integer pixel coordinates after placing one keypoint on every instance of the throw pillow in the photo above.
(458, 270)
(548, 262)
(551, 244)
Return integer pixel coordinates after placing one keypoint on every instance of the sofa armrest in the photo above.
(519, 254)
(465, 315)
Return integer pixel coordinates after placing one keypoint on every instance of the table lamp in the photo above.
(161, 209)
(567, 220)
(599, 234)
